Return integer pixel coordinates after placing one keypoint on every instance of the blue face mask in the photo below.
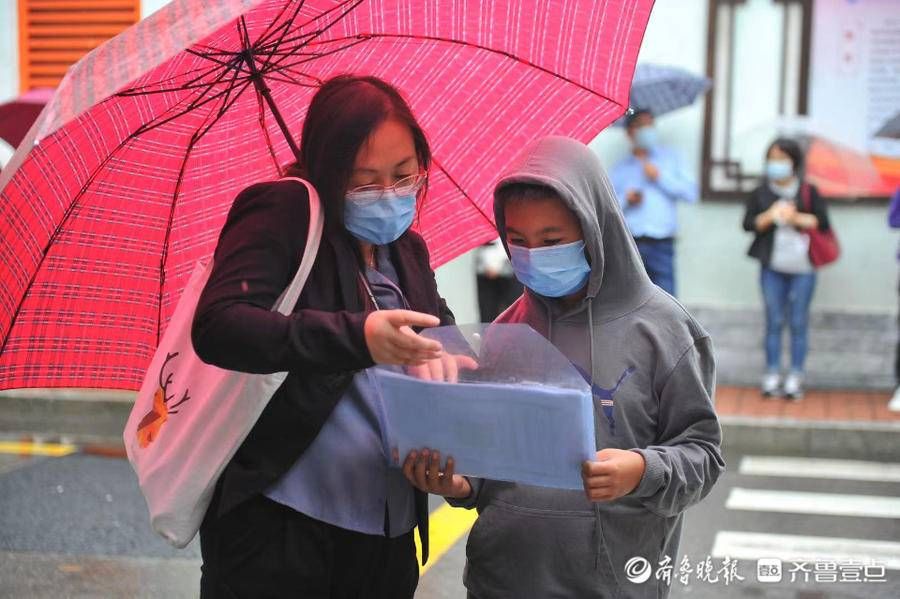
(646, 137)
(553, 271)
(379, 221)
(779, 169)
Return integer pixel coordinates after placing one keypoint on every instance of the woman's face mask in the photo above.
(379, 217)
(384, 184)
(554, 271)
(777, 170)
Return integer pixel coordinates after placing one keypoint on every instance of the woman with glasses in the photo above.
(309, 506)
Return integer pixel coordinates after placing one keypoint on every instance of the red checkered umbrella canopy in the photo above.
(124, 181)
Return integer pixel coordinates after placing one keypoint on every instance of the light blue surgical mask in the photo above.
(779, 169)
(379, 218)
(646, 138)
(553, 271)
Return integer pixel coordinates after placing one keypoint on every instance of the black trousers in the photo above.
(264, 549)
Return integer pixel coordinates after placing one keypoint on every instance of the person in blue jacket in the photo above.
(649, 183)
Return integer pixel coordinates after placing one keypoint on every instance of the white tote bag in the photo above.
(790, 251)
(190, 418)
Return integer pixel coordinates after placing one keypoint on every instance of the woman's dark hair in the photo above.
(792, 149)
(343, 113)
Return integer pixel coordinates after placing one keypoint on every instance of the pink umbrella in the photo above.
(125, 180)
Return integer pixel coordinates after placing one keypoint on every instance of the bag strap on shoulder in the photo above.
(806, 196)
(288, 300)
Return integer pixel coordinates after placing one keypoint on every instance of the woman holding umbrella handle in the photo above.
(309, 505)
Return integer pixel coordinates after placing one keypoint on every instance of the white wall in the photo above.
(148, 7)
(9, 50)
(712, 267)
(456, 283)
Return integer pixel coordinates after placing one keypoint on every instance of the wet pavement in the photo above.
(76, 526)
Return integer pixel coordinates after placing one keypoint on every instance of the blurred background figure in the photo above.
(497, 287)
(17, 116)
(778, 212)
(894, 223)
(648, 183)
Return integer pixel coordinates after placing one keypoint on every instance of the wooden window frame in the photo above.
(725, 166)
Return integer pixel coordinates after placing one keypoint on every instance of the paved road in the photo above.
(842, 514)
(75, 526)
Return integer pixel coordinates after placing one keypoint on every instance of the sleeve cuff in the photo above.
(654, 474)
(469, 501)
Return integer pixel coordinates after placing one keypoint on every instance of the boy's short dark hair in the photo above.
(524, 192)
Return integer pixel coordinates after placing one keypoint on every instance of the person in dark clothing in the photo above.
(894, 223)
(309, 505)
(778, 213)
(497, 287)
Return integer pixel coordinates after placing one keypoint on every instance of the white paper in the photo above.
(527, 433)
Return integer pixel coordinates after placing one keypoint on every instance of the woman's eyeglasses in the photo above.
(373, 193)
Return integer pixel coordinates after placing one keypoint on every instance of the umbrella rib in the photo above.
(462, 191)
(74, 204)
(262, 48)
(219, 61)
(282, 78)
(144, 90)
(193, 106)
(311, 57)
(400, 36)
(165, 246)
(55, 235)
(304, 38)
(353, 4)
(283, 27)
(195, 138)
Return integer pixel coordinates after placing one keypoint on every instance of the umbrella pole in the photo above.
(263, 89)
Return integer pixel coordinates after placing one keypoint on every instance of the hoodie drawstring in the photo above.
(598, 535)
(598, 525)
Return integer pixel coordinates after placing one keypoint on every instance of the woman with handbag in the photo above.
(308, 506)
(784, 212)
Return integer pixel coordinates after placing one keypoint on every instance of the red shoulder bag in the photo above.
(823, 245)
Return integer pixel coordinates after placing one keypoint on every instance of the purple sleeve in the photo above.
(894, 210)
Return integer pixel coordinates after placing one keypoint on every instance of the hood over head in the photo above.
(618, 282)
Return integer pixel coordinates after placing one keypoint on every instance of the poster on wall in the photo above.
(854, 98)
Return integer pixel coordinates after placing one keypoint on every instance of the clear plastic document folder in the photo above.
(525, 415)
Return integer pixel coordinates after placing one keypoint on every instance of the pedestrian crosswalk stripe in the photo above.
(819, 468)
(56, 450)
(446, 525)
(754, 545)
(797, 502)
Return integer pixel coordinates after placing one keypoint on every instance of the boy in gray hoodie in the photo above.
(652, 370)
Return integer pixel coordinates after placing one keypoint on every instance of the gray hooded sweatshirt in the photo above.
(653, 380)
